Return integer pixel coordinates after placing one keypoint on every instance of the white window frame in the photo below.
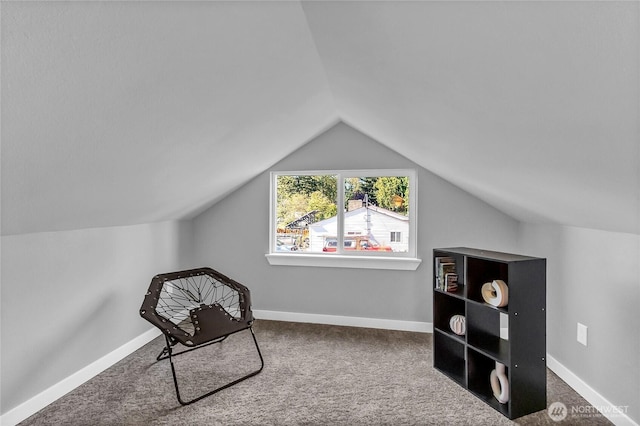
(341, 258)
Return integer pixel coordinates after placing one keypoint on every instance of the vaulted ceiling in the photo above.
(119, 113)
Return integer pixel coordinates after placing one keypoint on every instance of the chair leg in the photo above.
(164, 354)
(169, 354)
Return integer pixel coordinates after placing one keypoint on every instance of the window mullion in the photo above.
(340, 214)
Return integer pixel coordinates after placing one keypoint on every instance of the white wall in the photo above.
(593, 277)
(69, 298)
(232, 236)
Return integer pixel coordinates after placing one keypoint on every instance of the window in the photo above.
(343, 214)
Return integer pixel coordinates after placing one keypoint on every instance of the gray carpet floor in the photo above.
(313, 375)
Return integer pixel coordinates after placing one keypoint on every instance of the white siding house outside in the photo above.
(383, 226)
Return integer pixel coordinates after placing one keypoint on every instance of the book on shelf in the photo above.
(443, 266)
(446, 269)
(451, 282)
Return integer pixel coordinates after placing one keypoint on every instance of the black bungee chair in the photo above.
(197, 308)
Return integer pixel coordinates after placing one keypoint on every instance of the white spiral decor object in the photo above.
(496, 293)
(457, 324)
(500, 383)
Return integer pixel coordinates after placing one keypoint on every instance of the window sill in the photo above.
(338, 261)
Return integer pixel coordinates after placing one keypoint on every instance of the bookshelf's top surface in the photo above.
(486, 254)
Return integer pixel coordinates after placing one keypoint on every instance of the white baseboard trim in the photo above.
(616, 414)
(386, 324)
(46, 397)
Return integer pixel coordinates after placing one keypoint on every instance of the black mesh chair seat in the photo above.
(195, 308)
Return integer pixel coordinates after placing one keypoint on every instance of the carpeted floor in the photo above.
(313, 375)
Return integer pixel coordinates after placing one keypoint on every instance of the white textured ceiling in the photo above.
(118, 113)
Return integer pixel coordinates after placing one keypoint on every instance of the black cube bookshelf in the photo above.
(513, 335)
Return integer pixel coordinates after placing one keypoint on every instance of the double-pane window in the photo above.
(364, 213)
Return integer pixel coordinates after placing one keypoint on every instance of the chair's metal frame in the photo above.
(209, 320)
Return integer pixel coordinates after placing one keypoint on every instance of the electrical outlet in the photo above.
(582, 334)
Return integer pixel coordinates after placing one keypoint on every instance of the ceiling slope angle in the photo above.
(121, 113)
(532, 106)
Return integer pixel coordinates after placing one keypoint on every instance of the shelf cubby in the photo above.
(481, 271)
(447, 306)
(483, 331)
(459, 261)
(513, 335)
(450, 358)
(480, 368)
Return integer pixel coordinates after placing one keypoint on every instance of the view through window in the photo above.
(341, 212)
